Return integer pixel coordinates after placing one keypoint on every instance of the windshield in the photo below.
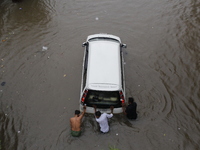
(103, 38)
(103, 99)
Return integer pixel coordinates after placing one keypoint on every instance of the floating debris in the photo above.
(97, 18)
(3, 83)
(44, 48)
(12, 32)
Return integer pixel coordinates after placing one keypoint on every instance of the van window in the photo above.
(103, 99)
(122, 70)
(103, 38)
(85, 68)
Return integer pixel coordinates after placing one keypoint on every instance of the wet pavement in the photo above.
(40, 73)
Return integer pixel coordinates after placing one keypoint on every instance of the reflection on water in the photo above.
(42, 87)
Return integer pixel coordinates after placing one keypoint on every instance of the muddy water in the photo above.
(40, 86)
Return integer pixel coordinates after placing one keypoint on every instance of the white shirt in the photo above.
(103, 122)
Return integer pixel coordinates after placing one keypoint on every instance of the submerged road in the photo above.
(40, 73)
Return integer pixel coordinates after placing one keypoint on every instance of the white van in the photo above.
(103, 81)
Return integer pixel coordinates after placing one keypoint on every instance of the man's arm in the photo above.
(111, 114)
(124, 108)
(111, 108)
(84, 109)
(95, 108)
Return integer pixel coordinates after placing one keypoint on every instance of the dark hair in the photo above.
(77, 112)
(131, 100)
(98, 113)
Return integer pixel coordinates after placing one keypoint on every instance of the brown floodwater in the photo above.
(40, 73)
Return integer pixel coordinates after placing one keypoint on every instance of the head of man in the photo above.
(130, 100)
(77, 112)
(97, 114)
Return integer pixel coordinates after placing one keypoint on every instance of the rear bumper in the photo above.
(91, 110)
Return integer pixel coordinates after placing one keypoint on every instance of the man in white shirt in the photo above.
(102, 119)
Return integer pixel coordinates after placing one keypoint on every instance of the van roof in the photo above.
(104, 65)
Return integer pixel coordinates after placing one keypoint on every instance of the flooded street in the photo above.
(41, 63)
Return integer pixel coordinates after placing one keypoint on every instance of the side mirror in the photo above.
(123, 45)
(84, 44)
